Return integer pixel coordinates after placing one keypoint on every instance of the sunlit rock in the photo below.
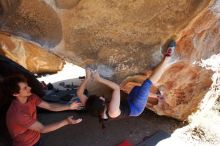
(30, 56)
(203, 125)
(123, 36)
(182, 87)
(200, 39)
(184, 84)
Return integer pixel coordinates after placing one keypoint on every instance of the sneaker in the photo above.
(171, 48)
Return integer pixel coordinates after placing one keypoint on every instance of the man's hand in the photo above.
(76, 106)
(70, 120)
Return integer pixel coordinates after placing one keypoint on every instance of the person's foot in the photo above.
(171, 48)
(160, 92)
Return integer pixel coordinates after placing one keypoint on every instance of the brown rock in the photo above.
(200, 39)
(33, 20)
(30, 56)
(124, 36)
(66, 4)
(183, 86)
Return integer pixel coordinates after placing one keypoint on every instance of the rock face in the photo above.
(184, 85)
(33, 20)
(200, 39)
(66, 4)
(30, 56)
(120, 37)
(124, 38)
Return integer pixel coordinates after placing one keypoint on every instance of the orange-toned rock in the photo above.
(183, 86)
(29, 55)
(200, 39)
(123, 38)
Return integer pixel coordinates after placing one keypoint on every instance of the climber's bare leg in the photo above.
(161, 68)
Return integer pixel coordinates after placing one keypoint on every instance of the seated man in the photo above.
(21, 117)
(136, 100)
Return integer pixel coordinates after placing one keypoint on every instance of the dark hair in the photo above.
(94, 105)
(10, 84)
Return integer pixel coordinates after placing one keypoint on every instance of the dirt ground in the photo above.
(90, 133)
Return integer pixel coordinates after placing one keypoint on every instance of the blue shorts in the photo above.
(137, 98)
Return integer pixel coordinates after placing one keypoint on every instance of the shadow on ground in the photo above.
(90, 133)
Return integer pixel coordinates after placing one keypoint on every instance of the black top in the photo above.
(125, 110)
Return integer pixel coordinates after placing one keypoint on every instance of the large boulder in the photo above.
(120, 37)
(66, 4)
(124, 38)
(184, 84)
(33, 20)
(29, 55)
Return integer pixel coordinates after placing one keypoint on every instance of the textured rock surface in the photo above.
(120, 37)
(200, 39)
(184, 85)
(30, 56)
(66, 4)
(33, 20)
(123, 38)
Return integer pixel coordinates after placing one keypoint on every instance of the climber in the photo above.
(21, 117)
(136, 100)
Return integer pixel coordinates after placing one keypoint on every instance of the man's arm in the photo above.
(114, 105)
(37, 126)
(80, 92)
(60, 107)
